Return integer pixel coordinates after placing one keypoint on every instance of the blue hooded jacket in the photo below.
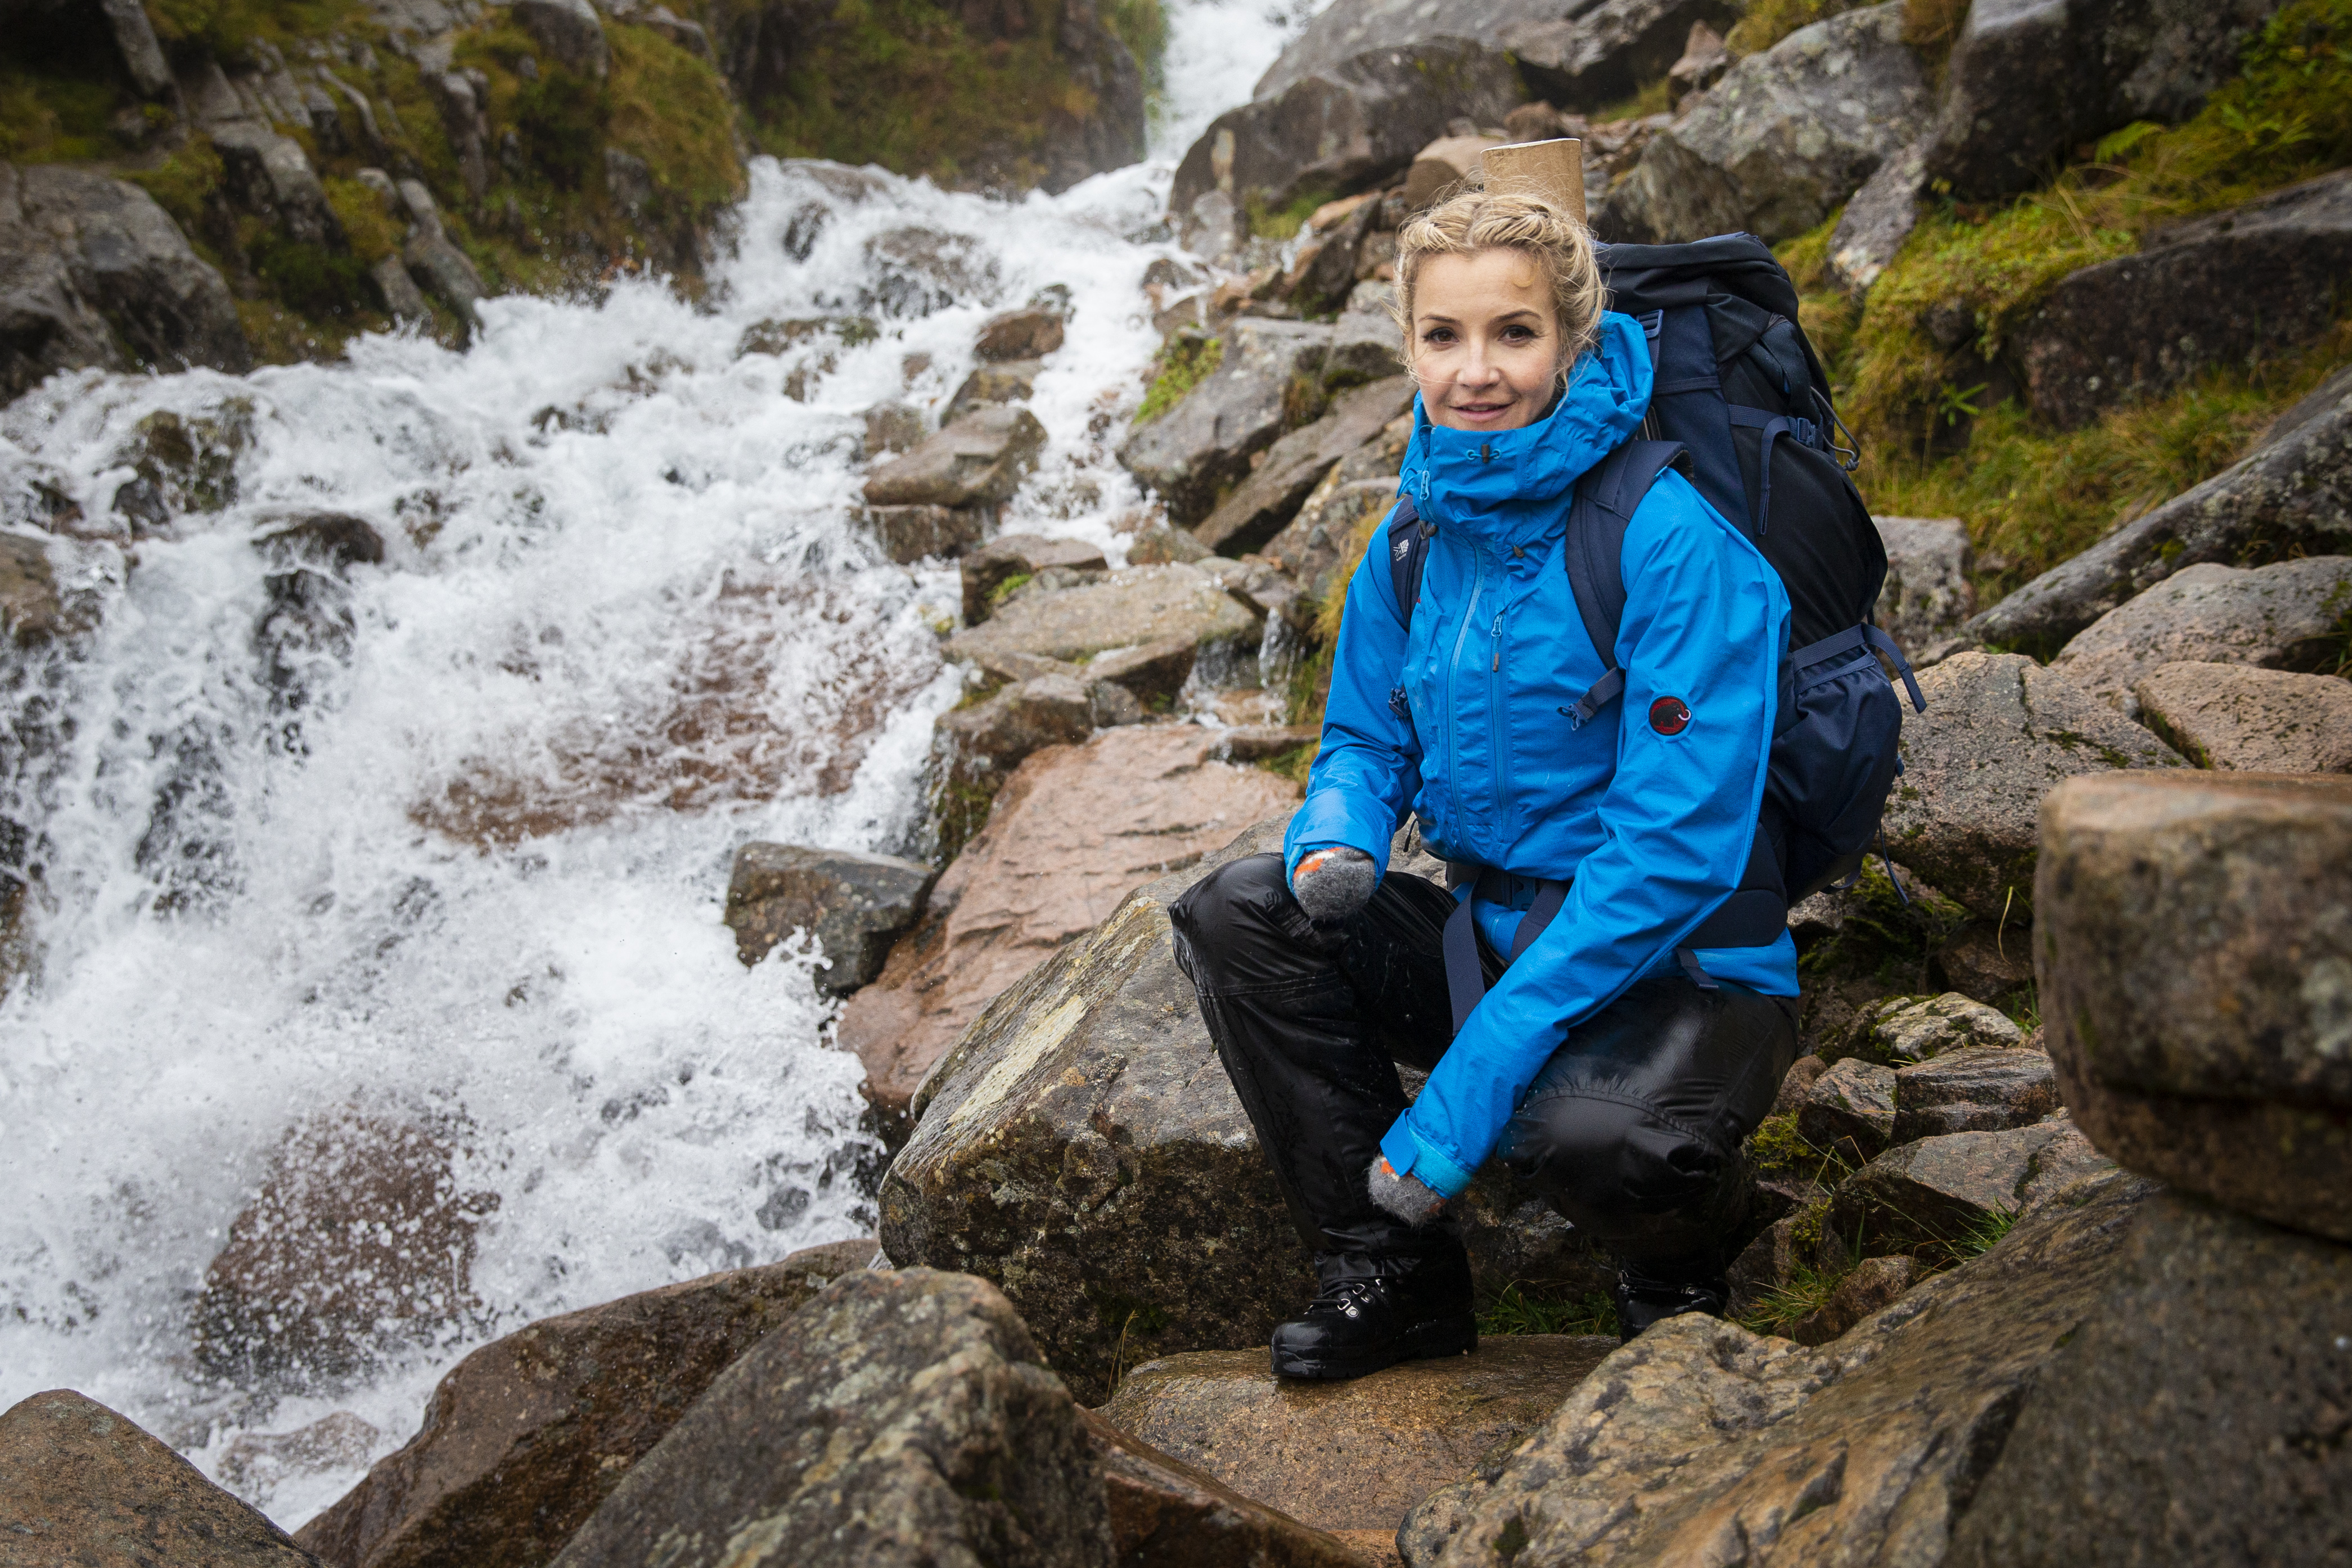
(1653, 828)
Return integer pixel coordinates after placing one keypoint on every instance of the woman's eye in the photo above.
(1438, 335)
(1519, 334)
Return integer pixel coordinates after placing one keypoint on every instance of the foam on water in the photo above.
(448, 845)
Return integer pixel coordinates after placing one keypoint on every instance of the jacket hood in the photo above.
(1511, 487)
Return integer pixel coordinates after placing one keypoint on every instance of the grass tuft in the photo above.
(1184, 363)
(1511, 1311)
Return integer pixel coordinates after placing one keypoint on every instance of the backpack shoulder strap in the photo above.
(1408, 552)
(1606, 500)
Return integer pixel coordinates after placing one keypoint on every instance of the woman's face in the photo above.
(1486, 344)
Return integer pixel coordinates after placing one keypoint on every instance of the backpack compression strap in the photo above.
(1408, 534)
(1606, 501)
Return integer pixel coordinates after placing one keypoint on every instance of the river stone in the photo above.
(1701, 1442)
(900, 1418)
(1927, 592)
(31, 609)
(569, 32)
(911, 534)
(1871, 1285)
(2290, 497)
(1137, 605)
(1999, 731)
(93, 272)
(2188, 1421)
(1784, 139)
(2249, 721)
(1977, 1089)
(1072, 833)
(1293, 465)
(1941, 1190)
(528, 1435)
(1203, 446)
(1352, 1455)
(1165, 1513)
(1013, 555)
(2032, 79)
(81, 1485)
(855, 905)
(1347, 124)
(2196, 960)
(979, 459)
(1850, 1109)
(1029, 333)
(2228, 288)
(2287, 615)
(1012, 381)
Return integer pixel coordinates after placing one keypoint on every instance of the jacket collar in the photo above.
(1511, 487)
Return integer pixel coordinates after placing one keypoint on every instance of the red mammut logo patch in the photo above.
(1669, 716)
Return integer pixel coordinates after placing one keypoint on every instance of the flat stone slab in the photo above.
(2283, 616)
(1978, 1088)
(2242, 719)
(1850, 1108)
(1356, 1455)
(1140, 605)
(1943, 1189)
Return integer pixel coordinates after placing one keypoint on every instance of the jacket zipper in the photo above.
(1453, 675)
(1498, 733)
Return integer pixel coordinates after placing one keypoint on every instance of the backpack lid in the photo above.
(1645, 278)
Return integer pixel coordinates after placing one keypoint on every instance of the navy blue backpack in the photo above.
(1740, 407)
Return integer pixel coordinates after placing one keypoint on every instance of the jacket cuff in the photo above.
(1324, 823)
(1410, 1155)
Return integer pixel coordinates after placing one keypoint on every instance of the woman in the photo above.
(1614, 1073)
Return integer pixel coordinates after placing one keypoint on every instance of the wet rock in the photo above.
(1585, 57)
(255, 1464)
(1325, 274)
(569, 33)
(1906, 1029)
(80, 1483)
(2292, 496)
(2260, 720)
(1703, 63)
(1927, 592)
(2026, 83)
(187, 465)
(1941, 1192)
(1071, 833)
(1158, 546)
(992, 383)
(1976, 1088)
(1138, 604)
(31, 609)
(360, 1242)
(901, 1417)
(2229, 287)
(2205, 1372)
(1204, 445)
(1153, 673)
(528, 1435)
(93, 272)
(1850, 1109)
(1364, 341)
(1878, 220)
(2283, 616)
(1349, 123)
(1018, 556)
(1311, 546)
(1354, 1456)
(1029, 333)
(979, 459)
(270, 176)
(333, 539)
(1863, 1450)
(912, 533)
(994, 735)
(854, 905)
(1165, 1513)
(1872, 1284)
(435, 262)
(1784, 139)
(403, 301)
(1999, 731)
(918, 271)
(2197, 960)
(1272, 494)
(892, 427)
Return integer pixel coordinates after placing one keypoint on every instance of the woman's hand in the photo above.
(1332, 884)
(1403, 1196)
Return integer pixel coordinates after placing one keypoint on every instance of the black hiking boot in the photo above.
(1375, 1312)
(1643, 1300)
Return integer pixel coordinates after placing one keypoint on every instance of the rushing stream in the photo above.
(444, 842)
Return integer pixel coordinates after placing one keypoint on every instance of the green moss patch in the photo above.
(1184, 363)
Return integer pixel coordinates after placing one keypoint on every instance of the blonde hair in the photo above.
(1510, 220)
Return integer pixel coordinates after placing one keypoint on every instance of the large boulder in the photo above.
(81, 1485)
(93, 272)
(1946, 1191)
(1138, 604)
(854, 905)
(2193, 1419)
(2032, 79)
(1362, 1454)
(1072, 833)
(1203, 446)
(1021, 556)
(1165, 1513)
(1784, 139)
(977, 461)
(1271, 495)
(270, 177)
(1311, 546)
(2249, 721)
(2193, 935)
(900, 1418)
(2288, 616)
(1927, 592)
(2228, 288)
(2290, 496)
(527, 1435)
(1999, 731)
(1701, 1442)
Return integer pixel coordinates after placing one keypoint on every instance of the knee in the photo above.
(1608, 1163)
(1233, 910)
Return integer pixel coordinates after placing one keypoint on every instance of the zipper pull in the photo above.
(1498, 640)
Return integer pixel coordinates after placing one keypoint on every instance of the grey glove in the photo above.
(1332, 884)
(1403, 1196)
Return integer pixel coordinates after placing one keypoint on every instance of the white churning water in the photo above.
(447, 847)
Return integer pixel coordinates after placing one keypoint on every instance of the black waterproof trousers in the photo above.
(1631, 1129)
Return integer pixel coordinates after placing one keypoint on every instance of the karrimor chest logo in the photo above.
(1669, 715)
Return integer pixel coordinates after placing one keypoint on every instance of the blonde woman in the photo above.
(1614, 1067)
